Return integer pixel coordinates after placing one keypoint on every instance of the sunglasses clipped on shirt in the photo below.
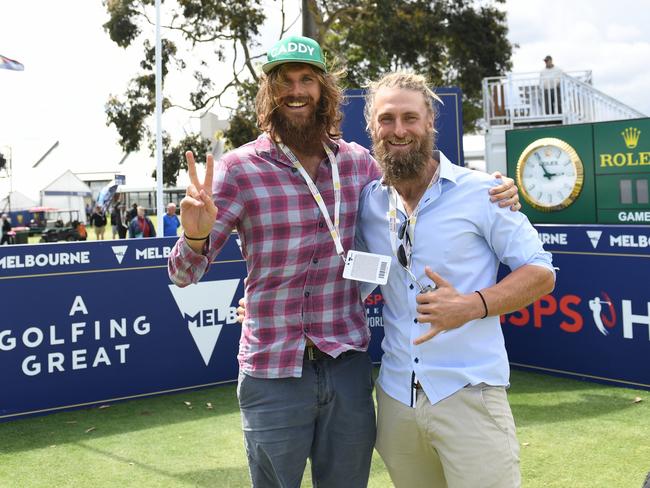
(404, 256)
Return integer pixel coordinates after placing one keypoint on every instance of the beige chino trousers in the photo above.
(467, 440)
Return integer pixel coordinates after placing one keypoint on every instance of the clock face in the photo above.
(549, 174)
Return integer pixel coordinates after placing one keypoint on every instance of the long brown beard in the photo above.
(403, 166)
(302, 135)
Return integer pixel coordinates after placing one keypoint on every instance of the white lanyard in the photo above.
(412, 219)
(336, 183)
(392, 220)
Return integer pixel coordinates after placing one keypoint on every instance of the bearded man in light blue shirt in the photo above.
(443, 414)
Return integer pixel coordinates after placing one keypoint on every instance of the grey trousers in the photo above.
(327, 415)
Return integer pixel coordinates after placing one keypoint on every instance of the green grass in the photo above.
(573, 434)
(580, 434)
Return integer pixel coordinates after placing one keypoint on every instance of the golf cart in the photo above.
(63, 225)
(38, 221)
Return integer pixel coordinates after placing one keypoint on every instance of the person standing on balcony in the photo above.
(550, 79)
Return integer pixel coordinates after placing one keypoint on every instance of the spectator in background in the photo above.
(141, 226)
(550, 78)
(118, 223)
(115, 216)
(170, 221)
(133, 213)
(89, 211)
(98, 221)
(6, 228)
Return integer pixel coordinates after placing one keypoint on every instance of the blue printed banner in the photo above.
(596, 239)
(596, 323)
(94, 322)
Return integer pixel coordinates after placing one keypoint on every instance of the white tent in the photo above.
(16, 201)
(67, 192)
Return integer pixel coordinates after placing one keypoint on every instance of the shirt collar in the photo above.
(446, 168)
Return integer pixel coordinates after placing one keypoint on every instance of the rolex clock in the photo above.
(549, 174)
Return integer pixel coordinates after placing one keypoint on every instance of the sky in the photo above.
(71, 68)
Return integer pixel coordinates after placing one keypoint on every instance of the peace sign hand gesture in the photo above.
(198, 211)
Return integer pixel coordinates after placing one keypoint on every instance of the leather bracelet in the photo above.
(195, 238)
(484, 303)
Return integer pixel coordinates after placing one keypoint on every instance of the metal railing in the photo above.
(527, 99)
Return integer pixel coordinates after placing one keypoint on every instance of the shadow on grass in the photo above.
(121, 417)
(529, 381)
(223, 477)
(586, 406)
(538, 398)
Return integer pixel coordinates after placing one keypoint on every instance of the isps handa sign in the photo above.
(596, 323)
(583, 173)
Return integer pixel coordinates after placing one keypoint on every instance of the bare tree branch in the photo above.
(326, 24)
(213, 98)
(284, 16)
(249, 64)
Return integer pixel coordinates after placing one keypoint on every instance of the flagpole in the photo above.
(159, 165)
(11, 177)
(13, 65)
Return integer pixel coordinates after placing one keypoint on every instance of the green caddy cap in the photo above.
(295, 49)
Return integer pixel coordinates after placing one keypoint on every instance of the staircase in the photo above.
(520, 100)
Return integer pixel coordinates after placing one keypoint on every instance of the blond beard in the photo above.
(403, 165)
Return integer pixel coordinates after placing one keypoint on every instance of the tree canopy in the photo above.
(452, 42)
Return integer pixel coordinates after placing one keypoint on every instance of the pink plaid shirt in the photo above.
(294, 289)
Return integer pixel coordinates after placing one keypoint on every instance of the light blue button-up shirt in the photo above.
(462, 236)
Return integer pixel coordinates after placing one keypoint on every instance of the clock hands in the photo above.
(546, 172)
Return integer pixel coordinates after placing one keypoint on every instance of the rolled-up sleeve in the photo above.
(514, 239)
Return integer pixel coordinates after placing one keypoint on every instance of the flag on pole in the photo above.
(6, 63)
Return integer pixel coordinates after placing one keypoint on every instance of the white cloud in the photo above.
(623, 33)
(608, 38)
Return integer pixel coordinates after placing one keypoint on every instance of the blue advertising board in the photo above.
(448, 123)
(100, 321)
(86, 323)
(596, 323)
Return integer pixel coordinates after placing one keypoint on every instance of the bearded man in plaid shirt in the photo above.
(305, 383)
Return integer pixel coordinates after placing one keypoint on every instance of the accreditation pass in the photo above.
(368, 267)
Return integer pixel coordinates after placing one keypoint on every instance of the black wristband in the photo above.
(195, 238)
(484, 303)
